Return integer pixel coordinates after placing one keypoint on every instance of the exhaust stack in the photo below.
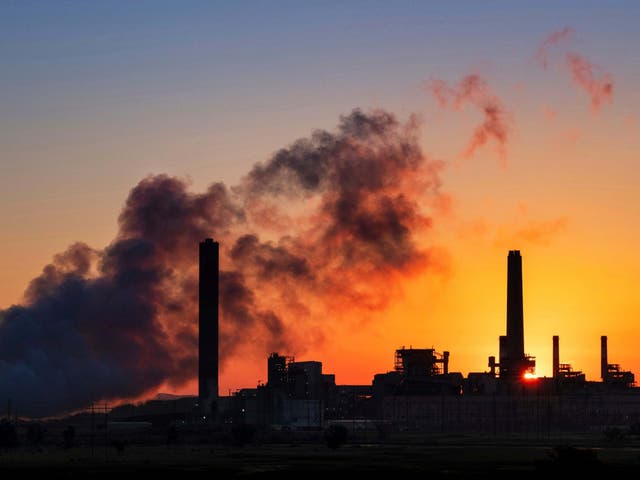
(208, 327)
(604, 361)
(556, 356)
(513, 362)
(515, 322)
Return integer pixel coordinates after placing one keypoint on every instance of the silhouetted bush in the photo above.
(241, 434)
(614, 435)
(35, 434)
(8, 434)
(634, 429)
(567, 459)
(336, 436)
(69, 437)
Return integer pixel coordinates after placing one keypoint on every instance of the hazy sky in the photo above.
(94, 96)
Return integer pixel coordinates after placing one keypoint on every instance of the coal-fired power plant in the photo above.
(208, 326)
(422, 392)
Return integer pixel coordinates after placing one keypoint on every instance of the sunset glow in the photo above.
(365, 172)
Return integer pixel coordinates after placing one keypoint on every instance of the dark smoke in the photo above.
(320, 232)
(79, 339)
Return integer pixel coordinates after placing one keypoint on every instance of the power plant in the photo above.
(421, 392)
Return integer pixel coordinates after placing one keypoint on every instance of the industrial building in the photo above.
(420, 392)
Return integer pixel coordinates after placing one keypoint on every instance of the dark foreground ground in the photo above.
(466, 458)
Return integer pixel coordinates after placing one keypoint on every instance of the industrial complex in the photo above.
(420, 393)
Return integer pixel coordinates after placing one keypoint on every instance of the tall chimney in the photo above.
(604, 362)
(515, 328)
(208, 326)
(556, 356)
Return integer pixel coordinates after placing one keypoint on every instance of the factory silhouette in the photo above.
(420, 393)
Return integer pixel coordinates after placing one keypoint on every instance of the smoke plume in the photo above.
(351, 209)
(473, 89)
(594, 80)
(532, 232)
(597, 83)
(542, 54)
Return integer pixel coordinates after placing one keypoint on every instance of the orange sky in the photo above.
(565, 194)
(576, 224)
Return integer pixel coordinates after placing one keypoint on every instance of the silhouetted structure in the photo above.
(295, 395)
(418, 362)
(612, 374)
(208, 327)
(418, 371)
(277, 370)
(604, 362)
(563, 373)
(556, 356)
(513, 361)
(420, 393)
(515, 320)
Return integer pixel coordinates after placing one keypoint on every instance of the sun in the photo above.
(530, 376)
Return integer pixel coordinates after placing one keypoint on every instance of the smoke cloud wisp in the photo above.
(597, 83)
(590, 78)
(554, 38)
(474, 90)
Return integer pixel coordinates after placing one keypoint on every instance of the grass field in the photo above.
(476, 460)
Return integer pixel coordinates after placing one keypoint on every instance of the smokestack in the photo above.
(604, 362)
(515, 328)
(208, 326)
(556, 356)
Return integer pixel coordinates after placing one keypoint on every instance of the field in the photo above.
(448, 458)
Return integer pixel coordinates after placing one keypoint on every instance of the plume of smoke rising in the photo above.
(554, 38)
(522, 230)
(79, 339)
(367, 181)
(596, 82)
(473, 89)
(534, 232)
(592, 79)
(117, 323)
